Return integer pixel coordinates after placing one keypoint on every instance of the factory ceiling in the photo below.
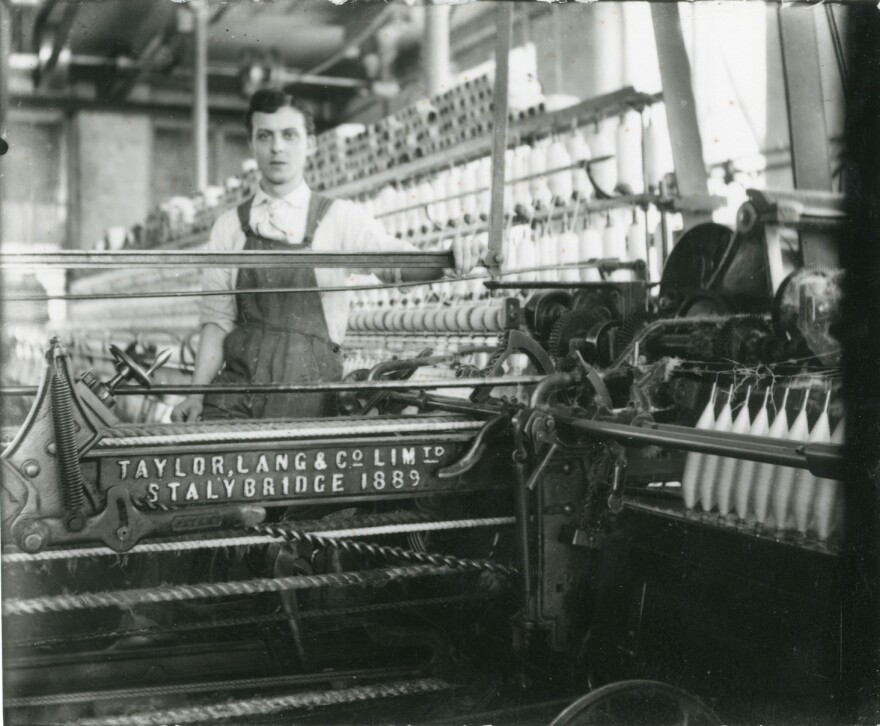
(119, 51)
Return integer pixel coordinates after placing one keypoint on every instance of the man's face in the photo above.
(280, 144)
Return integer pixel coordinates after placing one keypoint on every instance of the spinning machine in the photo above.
(614, 481)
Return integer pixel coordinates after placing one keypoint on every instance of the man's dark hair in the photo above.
(269, 100)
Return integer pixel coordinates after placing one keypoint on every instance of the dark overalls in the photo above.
(279, 337)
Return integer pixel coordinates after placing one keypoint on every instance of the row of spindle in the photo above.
(774, 497)
(550, 172)
(531, 252)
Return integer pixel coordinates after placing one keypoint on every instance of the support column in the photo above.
(5, 50)
(436, 48)
(503, 40)
(810, 162)
(810, 152)
(681, 108)
(200, 93)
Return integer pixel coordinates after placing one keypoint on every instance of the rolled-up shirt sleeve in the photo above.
(226, 236)
(359, 232)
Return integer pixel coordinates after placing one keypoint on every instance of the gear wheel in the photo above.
(631, 327)
(589, 326)
(743, 340)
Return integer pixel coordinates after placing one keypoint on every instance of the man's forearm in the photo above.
(209, 357)
(421, 274)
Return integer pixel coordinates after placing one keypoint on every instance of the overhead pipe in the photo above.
(30, 62)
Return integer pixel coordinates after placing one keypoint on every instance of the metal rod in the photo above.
(445, 403)
(30, 62)
(604, 265)
(609, 265)
(213, 293)
(436, 49)
(820, 459)
(55, 699)
(74, 259)
(200, 92)
(500, 121)
(333, 387)
(5, 48)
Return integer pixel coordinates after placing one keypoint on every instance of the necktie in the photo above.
(278, 220)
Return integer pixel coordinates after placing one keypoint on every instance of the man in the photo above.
(284, 337)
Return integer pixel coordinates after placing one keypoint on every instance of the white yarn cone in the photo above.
(787, 478)
(560, 182)
(693, 463)
(568, 255)
(578, 150)
(745, 472)
(604, 143)
(708, 477)
(522, 197)
(728, 468)
(548, 256)
(804, 492)
(654, 170)
(629, 152)
(765, 473)
(829, 496)
(590, 248)
(527, 255)
(538, 187)
(635, 240)
(614, 245)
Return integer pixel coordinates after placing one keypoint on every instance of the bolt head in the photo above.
(32, 542)
(51, 448)
(566, 468)
(30, 468)
(75, 522)
(551, 424)
(122, 533)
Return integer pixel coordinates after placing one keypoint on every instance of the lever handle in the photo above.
(477, 449)
(160, 360)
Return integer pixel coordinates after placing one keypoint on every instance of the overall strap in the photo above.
(319, 205)
(244, 215)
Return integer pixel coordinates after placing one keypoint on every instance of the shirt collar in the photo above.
(298, 198)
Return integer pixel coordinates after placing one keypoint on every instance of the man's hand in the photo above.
(467, 252)
(189, 409)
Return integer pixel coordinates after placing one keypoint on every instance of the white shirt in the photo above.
(345, 227)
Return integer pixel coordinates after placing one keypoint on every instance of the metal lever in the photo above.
(539, 470)
(477, 448)
(400, 370)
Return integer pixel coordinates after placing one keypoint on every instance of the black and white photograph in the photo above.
(439, 362)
